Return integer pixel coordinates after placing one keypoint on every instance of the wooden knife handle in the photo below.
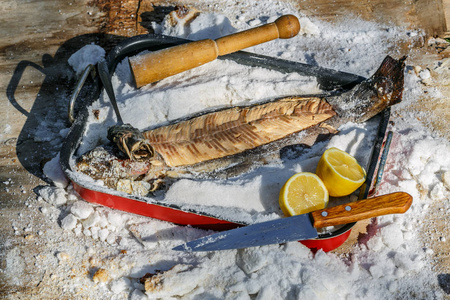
(363, 209)
(160, 64)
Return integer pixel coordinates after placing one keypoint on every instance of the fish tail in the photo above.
(383, 89)
(393, 69)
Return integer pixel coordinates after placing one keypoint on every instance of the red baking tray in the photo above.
(89, 88)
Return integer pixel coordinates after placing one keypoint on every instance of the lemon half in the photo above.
(302, 193)
(340, 172)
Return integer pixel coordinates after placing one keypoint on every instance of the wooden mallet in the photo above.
(154, 66)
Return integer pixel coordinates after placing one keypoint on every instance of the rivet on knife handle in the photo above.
(394, 203)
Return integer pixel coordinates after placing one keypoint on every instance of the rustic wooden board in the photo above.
(134, 16)
(427, 15)
(446, 9)
(38, 36)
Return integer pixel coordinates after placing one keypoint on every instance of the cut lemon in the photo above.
(340, 172)
(302, 193)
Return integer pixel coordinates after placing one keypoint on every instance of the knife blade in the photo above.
(300, 227)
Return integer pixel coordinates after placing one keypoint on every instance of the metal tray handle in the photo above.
(90, 68)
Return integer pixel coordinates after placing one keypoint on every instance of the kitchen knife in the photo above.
(301, 227)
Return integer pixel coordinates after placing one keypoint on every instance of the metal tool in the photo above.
(301, 227)
(105, 77)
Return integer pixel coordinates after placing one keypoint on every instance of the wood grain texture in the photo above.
(133, 17)
(427, 15)
(284, 27)
(155, 66)
(395, 203)
(446, 9)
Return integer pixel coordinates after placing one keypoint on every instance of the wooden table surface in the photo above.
(38, 36)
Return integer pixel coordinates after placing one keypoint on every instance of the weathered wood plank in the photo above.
(134, 16)
(38, 36)
(32, 32)
(427, 15)
(446, 8)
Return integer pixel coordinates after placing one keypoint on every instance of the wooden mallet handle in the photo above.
(154, 66)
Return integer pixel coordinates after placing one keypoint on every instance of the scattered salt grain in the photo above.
(138, 295)
(69, 222)
(429, 251)
(94, 232)
(53, 171)
(81, 209)
(408, 236)
(392, 236)
(251, 260)
(71, 197)
(111, 238)
(77, 230)
(392, 286)
(438, 192)
(103, 234)
(425, 75)
(376, 271)
(92, 220)
(89, 54)
(124, 242)
(405, 262)
(308, 27)
(399, 273)
(62, 256)
(446, 179)
(53, 195)
(103, 222)
(120, 285)
(178, 281)
(115, 219)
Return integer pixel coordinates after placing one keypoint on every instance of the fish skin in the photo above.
(231, 141)
(235, 130)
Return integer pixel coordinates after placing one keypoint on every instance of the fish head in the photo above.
(131, 142)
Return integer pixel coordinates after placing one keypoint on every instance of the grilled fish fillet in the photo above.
(235, 130)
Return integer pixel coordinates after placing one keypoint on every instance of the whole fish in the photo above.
(230, 140)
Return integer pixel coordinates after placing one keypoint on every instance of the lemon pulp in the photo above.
(302, 193)
(340, 172)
